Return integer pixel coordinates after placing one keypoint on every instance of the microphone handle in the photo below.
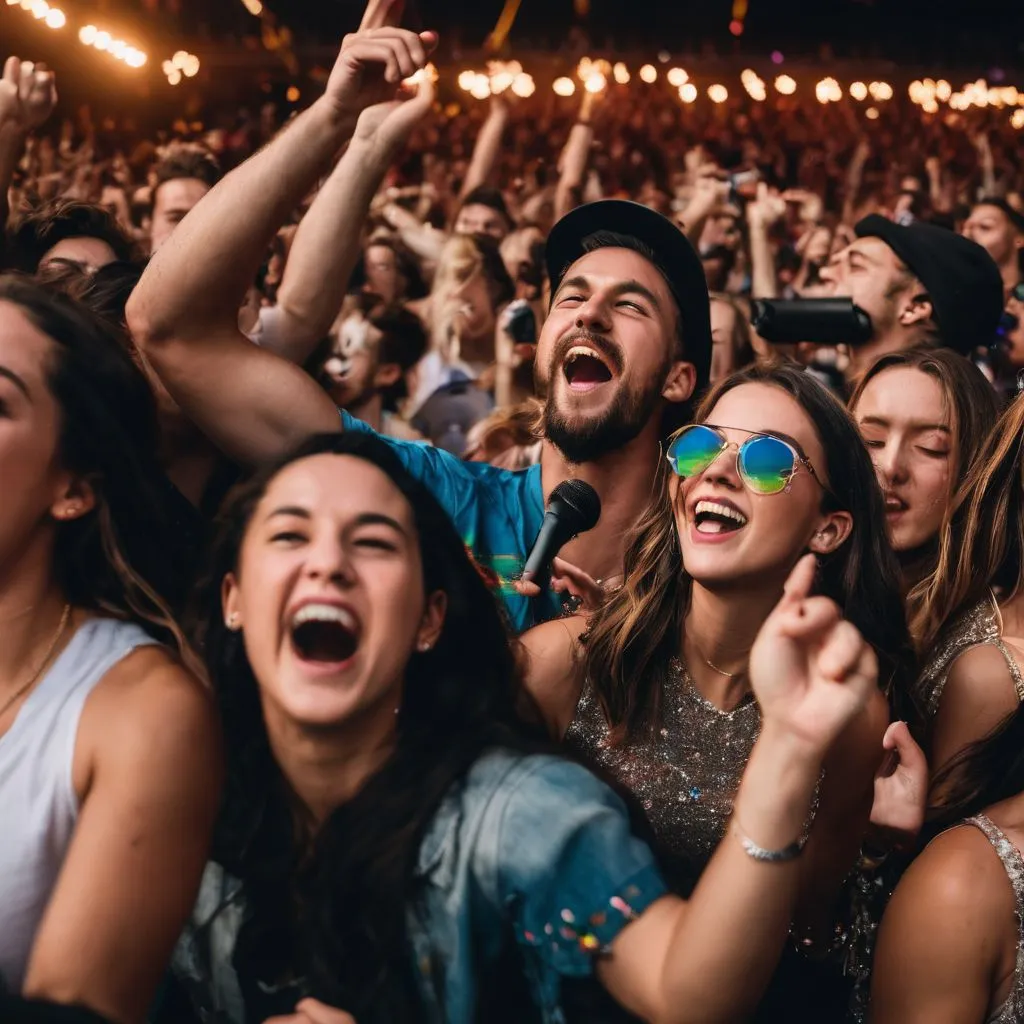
(550, 539)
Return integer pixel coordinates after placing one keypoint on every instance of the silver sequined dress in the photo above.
(686, 777)
(1012, 1011)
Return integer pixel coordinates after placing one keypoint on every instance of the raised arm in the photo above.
(28, 95)
(488, 144)
(573, 162)
(184, 312)
(710, 958)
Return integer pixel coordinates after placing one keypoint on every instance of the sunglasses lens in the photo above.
(766, 464)
(694, 450)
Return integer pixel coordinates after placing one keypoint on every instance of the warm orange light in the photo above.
(785, 85)
(649, 74)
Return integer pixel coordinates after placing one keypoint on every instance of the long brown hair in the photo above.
(982, 543)
(973, 409)
(633, 638)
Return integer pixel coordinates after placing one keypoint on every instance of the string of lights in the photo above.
(41, 10)
(595, 76)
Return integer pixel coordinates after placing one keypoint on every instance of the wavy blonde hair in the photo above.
(982, 542)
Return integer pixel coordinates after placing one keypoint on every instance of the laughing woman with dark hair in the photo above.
(395, 844)
(108, 745)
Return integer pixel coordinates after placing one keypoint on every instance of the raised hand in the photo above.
(901, 786)
(811, 671)
(767, 209)
(374, 61)
(28, 94)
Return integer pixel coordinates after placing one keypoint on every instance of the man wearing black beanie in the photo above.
(921, 285)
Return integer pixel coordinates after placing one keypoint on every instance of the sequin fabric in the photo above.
(978, 625)
(686, 777)
(1012, 1011)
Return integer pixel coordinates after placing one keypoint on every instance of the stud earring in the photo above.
(232, 621)
(424, 646)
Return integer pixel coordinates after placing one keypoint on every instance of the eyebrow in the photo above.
(17, 381)
(630, 287)
(881, 421)
(364, 519)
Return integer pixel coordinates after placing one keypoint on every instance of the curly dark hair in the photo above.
(187, 162)
(332, 910)
(43, 226)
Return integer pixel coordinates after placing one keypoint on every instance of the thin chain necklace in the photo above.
(46, 660)
(711, 665)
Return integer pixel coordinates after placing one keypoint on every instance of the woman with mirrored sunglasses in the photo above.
(653, 689)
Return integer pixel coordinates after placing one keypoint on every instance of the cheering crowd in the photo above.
(287, 732)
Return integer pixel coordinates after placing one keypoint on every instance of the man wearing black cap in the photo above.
(920, 285)
(996, 226)
(628, 339)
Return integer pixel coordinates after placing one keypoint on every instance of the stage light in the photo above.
(664, 56)
(1017, 119)
(828, 91)
(777, 57)
(880, 91)
(174, 77)
(523, 85)
(55, 18)
(564, 86)
(677, 77)
(466, 80)
(254, 7)
(943, 90)
(191, 66)
(785, 85)
(688, 92)
(649, 74)
(595, 83)
(118, 48)
(717, 93)
(736, 27)
(102, 41)
(40, 8)
(136, 59)
(929, 106)
(584, 69)
(481, 87)
(87, 34)
(621, 73)
(293, 94)
(501, 81)
(858, 90)
(871, 113)
(179, 58)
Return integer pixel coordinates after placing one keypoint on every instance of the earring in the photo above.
(232, 621)
(423, 646)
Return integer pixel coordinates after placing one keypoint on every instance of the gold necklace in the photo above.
(46, 659)
(711, 665)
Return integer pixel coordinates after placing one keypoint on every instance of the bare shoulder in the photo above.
(979, 673)
(148, 710)
(552, 668)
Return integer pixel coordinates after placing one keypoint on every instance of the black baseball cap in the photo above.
(676, 259)
(963, 281)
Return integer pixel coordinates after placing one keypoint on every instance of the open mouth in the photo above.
(894, 506)
(584, 369)
(324, 634)
(712, 517)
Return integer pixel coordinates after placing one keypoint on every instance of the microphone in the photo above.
(573, 508)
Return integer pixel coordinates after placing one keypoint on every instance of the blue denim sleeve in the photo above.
(570, 869)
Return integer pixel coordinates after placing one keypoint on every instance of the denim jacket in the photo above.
(532, 842)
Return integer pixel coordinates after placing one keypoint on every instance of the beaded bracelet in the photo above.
(759, 853)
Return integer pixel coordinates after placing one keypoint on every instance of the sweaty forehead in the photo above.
(609, 266)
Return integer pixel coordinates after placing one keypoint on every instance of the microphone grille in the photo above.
(583, 499)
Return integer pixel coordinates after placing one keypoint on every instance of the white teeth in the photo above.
(581, 350)
(720, 510)
(324, 613)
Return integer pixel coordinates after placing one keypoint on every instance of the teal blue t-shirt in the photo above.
(498, 514)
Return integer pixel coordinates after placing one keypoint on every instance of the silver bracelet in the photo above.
(759, 853)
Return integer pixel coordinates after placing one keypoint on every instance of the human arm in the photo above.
(551, 671)
(710, 958)
(938, 944)
(148, 762)
(573, 162)
(488, 144)
(184, 312)
(762, 215)
(979, 694)
(28, 94)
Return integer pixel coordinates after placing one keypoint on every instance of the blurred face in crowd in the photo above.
(30, 424)
(905, 421)
(994, 232)
(383, 277)
(353, 370)
(329, 595)
(477, 219)
(172, 201)
(88, 253)
(728, 534)
(724, 317)
(1015, 335)
(468, 307)
(607, 354)
(870, 273)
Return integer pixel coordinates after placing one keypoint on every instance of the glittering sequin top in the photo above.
(1012, 1011)
(976, 626)
(686, 777)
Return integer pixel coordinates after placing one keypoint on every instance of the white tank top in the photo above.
(38, 804)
